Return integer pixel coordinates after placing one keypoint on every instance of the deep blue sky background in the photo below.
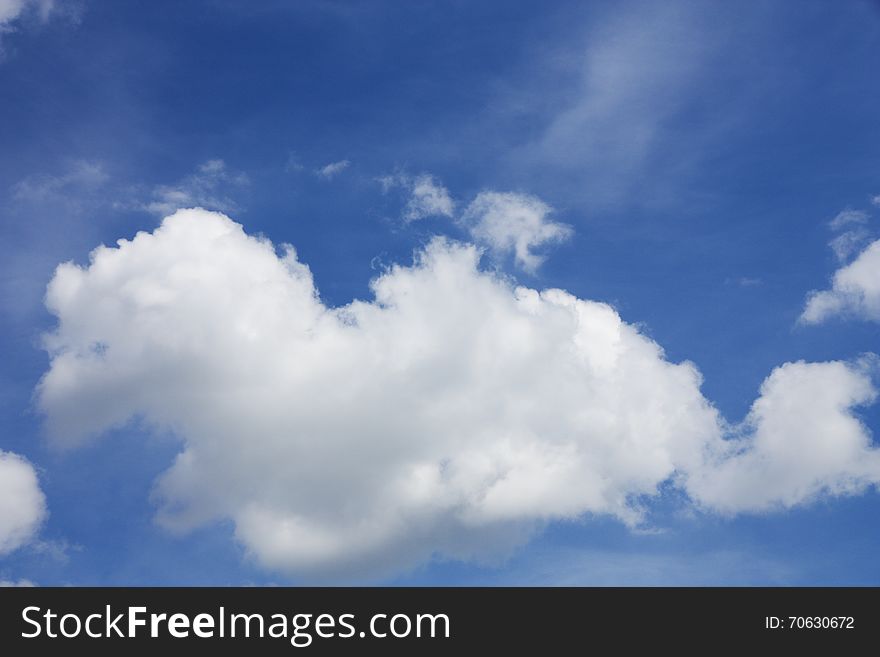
(699, 177)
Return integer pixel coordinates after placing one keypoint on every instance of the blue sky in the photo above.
(698, 153)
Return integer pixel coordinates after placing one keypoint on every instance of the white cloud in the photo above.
(201, 188)
(14, 12)
(855, 291)
(21, 583)
(22, 505)
(11, 10)
(330, 171)
(506, 222)
(390, 181)
(452, 415)
(608, 122)
(80, 174)
(849, 242)
(848, 217)
(801, 441)
(428, 199)
(875, 200)
(514, 223)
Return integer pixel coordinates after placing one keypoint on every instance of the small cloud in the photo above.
(854, 292)
(428, 198)
(875, 200)
(212, 167)
(427, 195)
(58, 551)
(391, 181)
(199, 189)
(746, 281)
(22, 503)
(505, 222)
(848, 217)
(855, 236)
(845, 244)
(330, 171)
(515, 223)
(21, 583)
(80, 174)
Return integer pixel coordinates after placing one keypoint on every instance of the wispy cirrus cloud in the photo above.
(79, 176)
(848, 217)
(330, 171)
(853, 233)
(202, 188)
(606, 128)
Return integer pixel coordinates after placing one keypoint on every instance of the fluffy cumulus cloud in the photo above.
(507, 223)
(799, 441)
(426, 196)
(452, 414)
(428, 199)
(22, 505)
(855, 291)
(515, 223)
